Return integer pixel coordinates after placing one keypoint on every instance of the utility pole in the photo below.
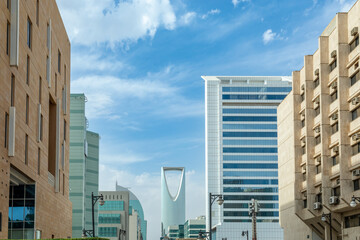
(253, 210)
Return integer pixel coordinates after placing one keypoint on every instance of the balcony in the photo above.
(303, 131)
(303, 158)
(335, 170)
(355, 160)
(354, 89)
(317, 148)
(333, 74)
(304, 185)
(334, 138)
(354, 53)
(317, 119)
(318, 178)
(334, 105)
(317, 91)
(302, 105)
(354, 124)
(51, 179)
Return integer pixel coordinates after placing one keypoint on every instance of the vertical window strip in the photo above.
(37, 11)
(59, 61)
(8, 38)
(27, 109)
(29, 33)
(26, 148)
(6, 130)
(39, 160)
(40, 86)
(27, 70)
(12, 100)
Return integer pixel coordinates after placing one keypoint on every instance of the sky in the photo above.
(140, 62)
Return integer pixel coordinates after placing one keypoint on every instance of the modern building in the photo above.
(176, 232)
(241, 152)
(136, 206)
(34, 93)
(319, 126)
(172, 207)
(192, 227)
(114, 215)
(84, 167)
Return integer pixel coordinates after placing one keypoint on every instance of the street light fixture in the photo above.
(354, 200)
(85, 233)
(324, 217)
(94, 199)
(245, 233)
(220, 201)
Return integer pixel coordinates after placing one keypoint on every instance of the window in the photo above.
(48, 36)
(317, 111)
(26, 148)
(112, 206)
(302, 97)
(250, 134)
(302, 123)
(354, 78)
(356, 184)
(48, 77)
(59, 61)
(336, 191)
(27, 70)
(63, 156)
(249, 118)
(109, 218)
(355, 149)
(39, 158)
(8, 38)
(63, 184)
(8, 4)
(29, 33)
(316, 82)
(52, 137)
(318, 169)
(317, 140)
(40, 85)
(108, 231)
(12, 97)
(55, 84)
(65, 128)
(335, 128)
(333, 96)
(352, 221)
(305, 203)
(304, 176)
(354, 43)
(318, 197)
(333, 65)
(252, 97)
(355, 114)
(27, 110)
(37, 12)
(335, 160)
(6, 130)
(303, 150)
(41, 127)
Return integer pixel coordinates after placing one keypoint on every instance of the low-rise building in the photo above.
(192, 227)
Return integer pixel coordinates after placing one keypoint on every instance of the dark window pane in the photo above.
(19, 191)
(29, 224)
(17, 224)
(30, 191)
(29, 213)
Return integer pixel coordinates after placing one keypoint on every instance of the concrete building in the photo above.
(34, 93)
(318, 125)
(114, 215)
(137, 211)
(192, 227)
(241, 152)
(84, 167)
(172, 207)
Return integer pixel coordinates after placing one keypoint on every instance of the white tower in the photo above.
(172, 207)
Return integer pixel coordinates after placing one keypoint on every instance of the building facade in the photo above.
(34, 93)
(241, 152)
(114, 215)
(84, 167)
(172, 207)
(192, 227)
(319, 128)
(136, 206)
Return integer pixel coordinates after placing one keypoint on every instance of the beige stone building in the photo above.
(34, 120)
(319, 138)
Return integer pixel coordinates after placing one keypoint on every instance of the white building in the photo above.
(241, 152)
(172, 207)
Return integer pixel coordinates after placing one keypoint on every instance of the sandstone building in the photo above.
(34, 120)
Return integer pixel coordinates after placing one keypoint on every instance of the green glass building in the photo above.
(84, 167)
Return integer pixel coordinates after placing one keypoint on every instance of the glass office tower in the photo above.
(241, 152)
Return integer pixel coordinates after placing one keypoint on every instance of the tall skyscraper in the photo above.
(172, 207)
(241, 152)
(84, 166)
(34, 93)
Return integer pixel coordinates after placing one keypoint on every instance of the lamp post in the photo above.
(220, 201)
(94, 199)
(121, 233)
(323, 218)
(245, 233)
(354, 200)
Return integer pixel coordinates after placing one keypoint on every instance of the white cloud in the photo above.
(308, 10)
(146, 187)
(92, 21)
(236, 2)
(187, 18)
(211, 12)
(268, 36)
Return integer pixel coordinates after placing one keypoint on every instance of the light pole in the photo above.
(245, 233)
(121, 233)
(94, 199)
(220, 201)
(354, 200)
(323, 218)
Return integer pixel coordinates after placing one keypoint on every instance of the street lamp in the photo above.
(94, 199)
(323, 218)
(85, 233)
(121, 233)
(354, 200)
(220, 201)
(245, 233)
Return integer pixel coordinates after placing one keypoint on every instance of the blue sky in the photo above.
(139, 63)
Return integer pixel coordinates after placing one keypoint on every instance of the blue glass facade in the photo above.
(112, 206)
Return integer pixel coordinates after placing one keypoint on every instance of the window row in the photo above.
(250, 126)
(246, 214)
(249, 150)
(249, 197)
(249, 110)
(250, 134)
(249, 119)
(252, 97)
(246, 205)
(250, 142)
(256, 89)
(250, 173)
(251, 181)
(251, 165)
(250, 189)
(250, 158)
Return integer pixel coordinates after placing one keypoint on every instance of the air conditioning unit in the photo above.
(335, 149)
(356, 173)
(302, 114)
(334, 200)
(355, 137)
(302, 87)
(334, 85)
(333, 54)
(317, 205)
(354, 31)
(303, 141)
(317, 101)
(318, 159)
(304, 169)
(338, 181)
(355, 100)
(317, 72)
(317, 129)
(334, 116)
